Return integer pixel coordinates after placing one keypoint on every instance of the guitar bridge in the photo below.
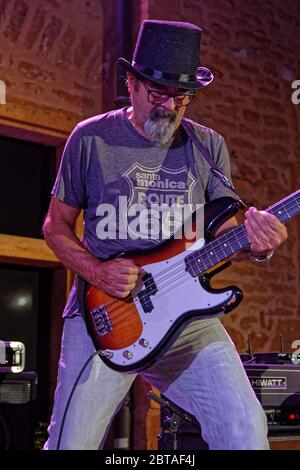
(101, 320)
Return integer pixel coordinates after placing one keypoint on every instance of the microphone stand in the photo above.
(171, 424)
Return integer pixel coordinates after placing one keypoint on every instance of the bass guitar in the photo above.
(134, 332)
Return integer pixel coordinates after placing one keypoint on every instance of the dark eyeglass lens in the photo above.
(180, 100)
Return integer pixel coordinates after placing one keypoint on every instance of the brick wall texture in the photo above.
(51, 61)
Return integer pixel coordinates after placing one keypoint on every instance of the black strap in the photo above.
(188, 127)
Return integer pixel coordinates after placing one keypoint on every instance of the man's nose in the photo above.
(170, 104)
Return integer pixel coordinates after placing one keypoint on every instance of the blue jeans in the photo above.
(201, 372)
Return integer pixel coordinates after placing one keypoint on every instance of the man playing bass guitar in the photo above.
(115, 167)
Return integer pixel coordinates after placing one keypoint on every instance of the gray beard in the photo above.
(161, 125)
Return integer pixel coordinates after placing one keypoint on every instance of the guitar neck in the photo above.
(236, 239)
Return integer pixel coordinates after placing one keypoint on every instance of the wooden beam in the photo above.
(32, 133)
(26, 251)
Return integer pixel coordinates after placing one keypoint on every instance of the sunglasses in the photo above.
(161, 97)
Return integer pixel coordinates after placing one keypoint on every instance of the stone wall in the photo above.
(51, 62)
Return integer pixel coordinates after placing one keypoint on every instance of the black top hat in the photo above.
(167, 52)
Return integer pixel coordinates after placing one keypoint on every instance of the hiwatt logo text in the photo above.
(269, 383)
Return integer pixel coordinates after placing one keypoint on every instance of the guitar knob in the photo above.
(144, 343)
(127, 354)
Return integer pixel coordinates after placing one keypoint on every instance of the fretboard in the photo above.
(236, 239)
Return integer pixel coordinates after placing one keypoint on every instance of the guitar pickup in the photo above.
(145, 294)
(102, 320)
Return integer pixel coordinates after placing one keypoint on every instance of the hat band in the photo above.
(159, 74)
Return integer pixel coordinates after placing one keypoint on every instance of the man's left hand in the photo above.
(264, 230)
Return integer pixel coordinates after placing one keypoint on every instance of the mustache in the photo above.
(161, 125)
(162, 113)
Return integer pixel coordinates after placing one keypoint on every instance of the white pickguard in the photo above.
(177, 294)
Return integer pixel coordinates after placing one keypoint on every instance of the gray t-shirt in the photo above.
(110, 171)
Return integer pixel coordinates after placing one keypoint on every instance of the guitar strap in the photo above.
(188, 127)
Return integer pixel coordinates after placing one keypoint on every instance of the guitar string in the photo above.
(162, 275)
(121, 307)
(217, 251)
(121, 312)
(165, 281)
(204, 257)
(205, 251)
(161, 286)
(155, 285)
(161, 292)
(204, 254)
(124, 311)
(122, 315)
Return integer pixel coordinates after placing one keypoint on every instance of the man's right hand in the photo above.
(117, 277)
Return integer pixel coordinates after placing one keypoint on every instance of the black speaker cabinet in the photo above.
(18, 393)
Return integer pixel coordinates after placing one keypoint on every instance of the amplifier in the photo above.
(276, 383)
(17, 389)
(18, 410)
(275, 380)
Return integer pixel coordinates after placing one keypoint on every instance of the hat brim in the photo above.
(204, 76)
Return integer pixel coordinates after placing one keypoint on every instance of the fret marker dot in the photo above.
(211, 253)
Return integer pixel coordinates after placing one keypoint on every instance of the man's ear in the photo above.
(129, 81)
